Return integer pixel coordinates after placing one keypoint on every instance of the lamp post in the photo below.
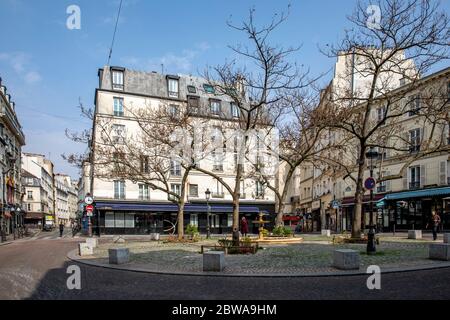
(371, 245)
(208, 225)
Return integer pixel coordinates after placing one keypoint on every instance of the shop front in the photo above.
(348, 207)
(138, 218)
(316, 215)
(412, 209)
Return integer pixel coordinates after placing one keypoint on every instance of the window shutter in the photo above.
(443, 173)
(422, 176)
(406, 178)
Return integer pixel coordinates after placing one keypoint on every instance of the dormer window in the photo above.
(117, 80)
(172, 87)
(209, 88)
(192, 89)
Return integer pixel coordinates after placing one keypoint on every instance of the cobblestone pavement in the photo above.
(38, 270)
(312, 257)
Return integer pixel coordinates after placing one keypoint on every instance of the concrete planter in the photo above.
(326, 232)
(93, 242)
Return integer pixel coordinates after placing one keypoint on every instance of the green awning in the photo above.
(434, 192)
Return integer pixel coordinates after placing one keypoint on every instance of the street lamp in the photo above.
(208, 225)
(371, 245)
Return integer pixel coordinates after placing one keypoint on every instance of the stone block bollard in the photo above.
(439, 251)
(326, 232)
(93, 242)
(415, 234)
(119, 255)
(214, 261)
(154, 236)
(346, 259)
(85, 249)
(446, 237)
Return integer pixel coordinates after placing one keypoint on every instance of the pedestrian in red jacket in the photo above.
(244, 226)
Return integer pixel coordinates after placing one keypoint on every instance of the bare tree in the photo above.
(255, 89)
(409, 38)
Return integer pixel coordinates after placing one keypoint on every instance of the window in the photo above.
(119, 189)
(193, 104)
(415, 140)
(118, 161)
(380, 114)
(192, 89)
(209, 88)
(118, 133)
(176, 188)
(144, 192)
(144, 164)
(174, 111)
(402, 81)
(234, 110)
(172, 87)
(193, 190)
(230, 220)
(215, 107)
(259, 189)
(175, 168)
(117, 80)
(109, 220)
(414, 173)
(194, 219)
(30, 195)
(118, 107)
(414, 105)
(215, 222)
(29, 206)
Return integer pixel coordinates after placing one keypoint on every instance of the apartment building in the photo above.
(39, 201)
(125, 206)
(12, 139)
(66, 199)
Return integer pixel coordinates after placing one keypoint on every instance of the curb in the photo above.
(72, 255)
(5, 243)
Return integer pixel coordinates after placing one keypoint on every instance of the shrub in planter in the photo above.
(281, 231)
(192, 231)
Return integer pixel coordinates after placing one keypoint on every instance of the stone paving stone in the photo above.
(307, 258)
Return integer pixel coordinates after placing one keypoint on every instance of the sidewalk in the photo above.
(10, 238)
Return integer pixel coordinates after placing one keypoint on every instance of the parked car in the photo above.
(47, 227)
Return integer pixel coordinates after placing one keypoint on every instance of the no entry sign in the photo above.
(90, 208)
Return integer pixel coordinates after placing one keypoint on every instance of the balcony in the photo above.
(218, 195)
(414, 185)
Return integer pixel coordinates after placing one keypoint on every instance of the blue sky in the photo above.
(48, 68)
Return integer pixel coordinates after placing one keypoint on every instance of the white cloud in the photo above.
(20, 62)
(32, 77)
(181, 62)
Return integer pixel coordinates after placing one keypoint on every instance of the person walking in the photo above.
(61, 229)
(244, 226)
(435, 221)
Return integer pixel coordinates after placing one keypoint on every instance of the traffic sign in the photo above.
(370, 183)
(88, 200)
(90, 208)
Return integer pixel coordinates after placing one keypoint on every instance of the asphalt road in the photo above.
(36, 269)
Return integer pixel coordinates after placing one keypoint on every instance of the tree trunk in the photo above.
(181, 219)
(359, 194)
(279, 219)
